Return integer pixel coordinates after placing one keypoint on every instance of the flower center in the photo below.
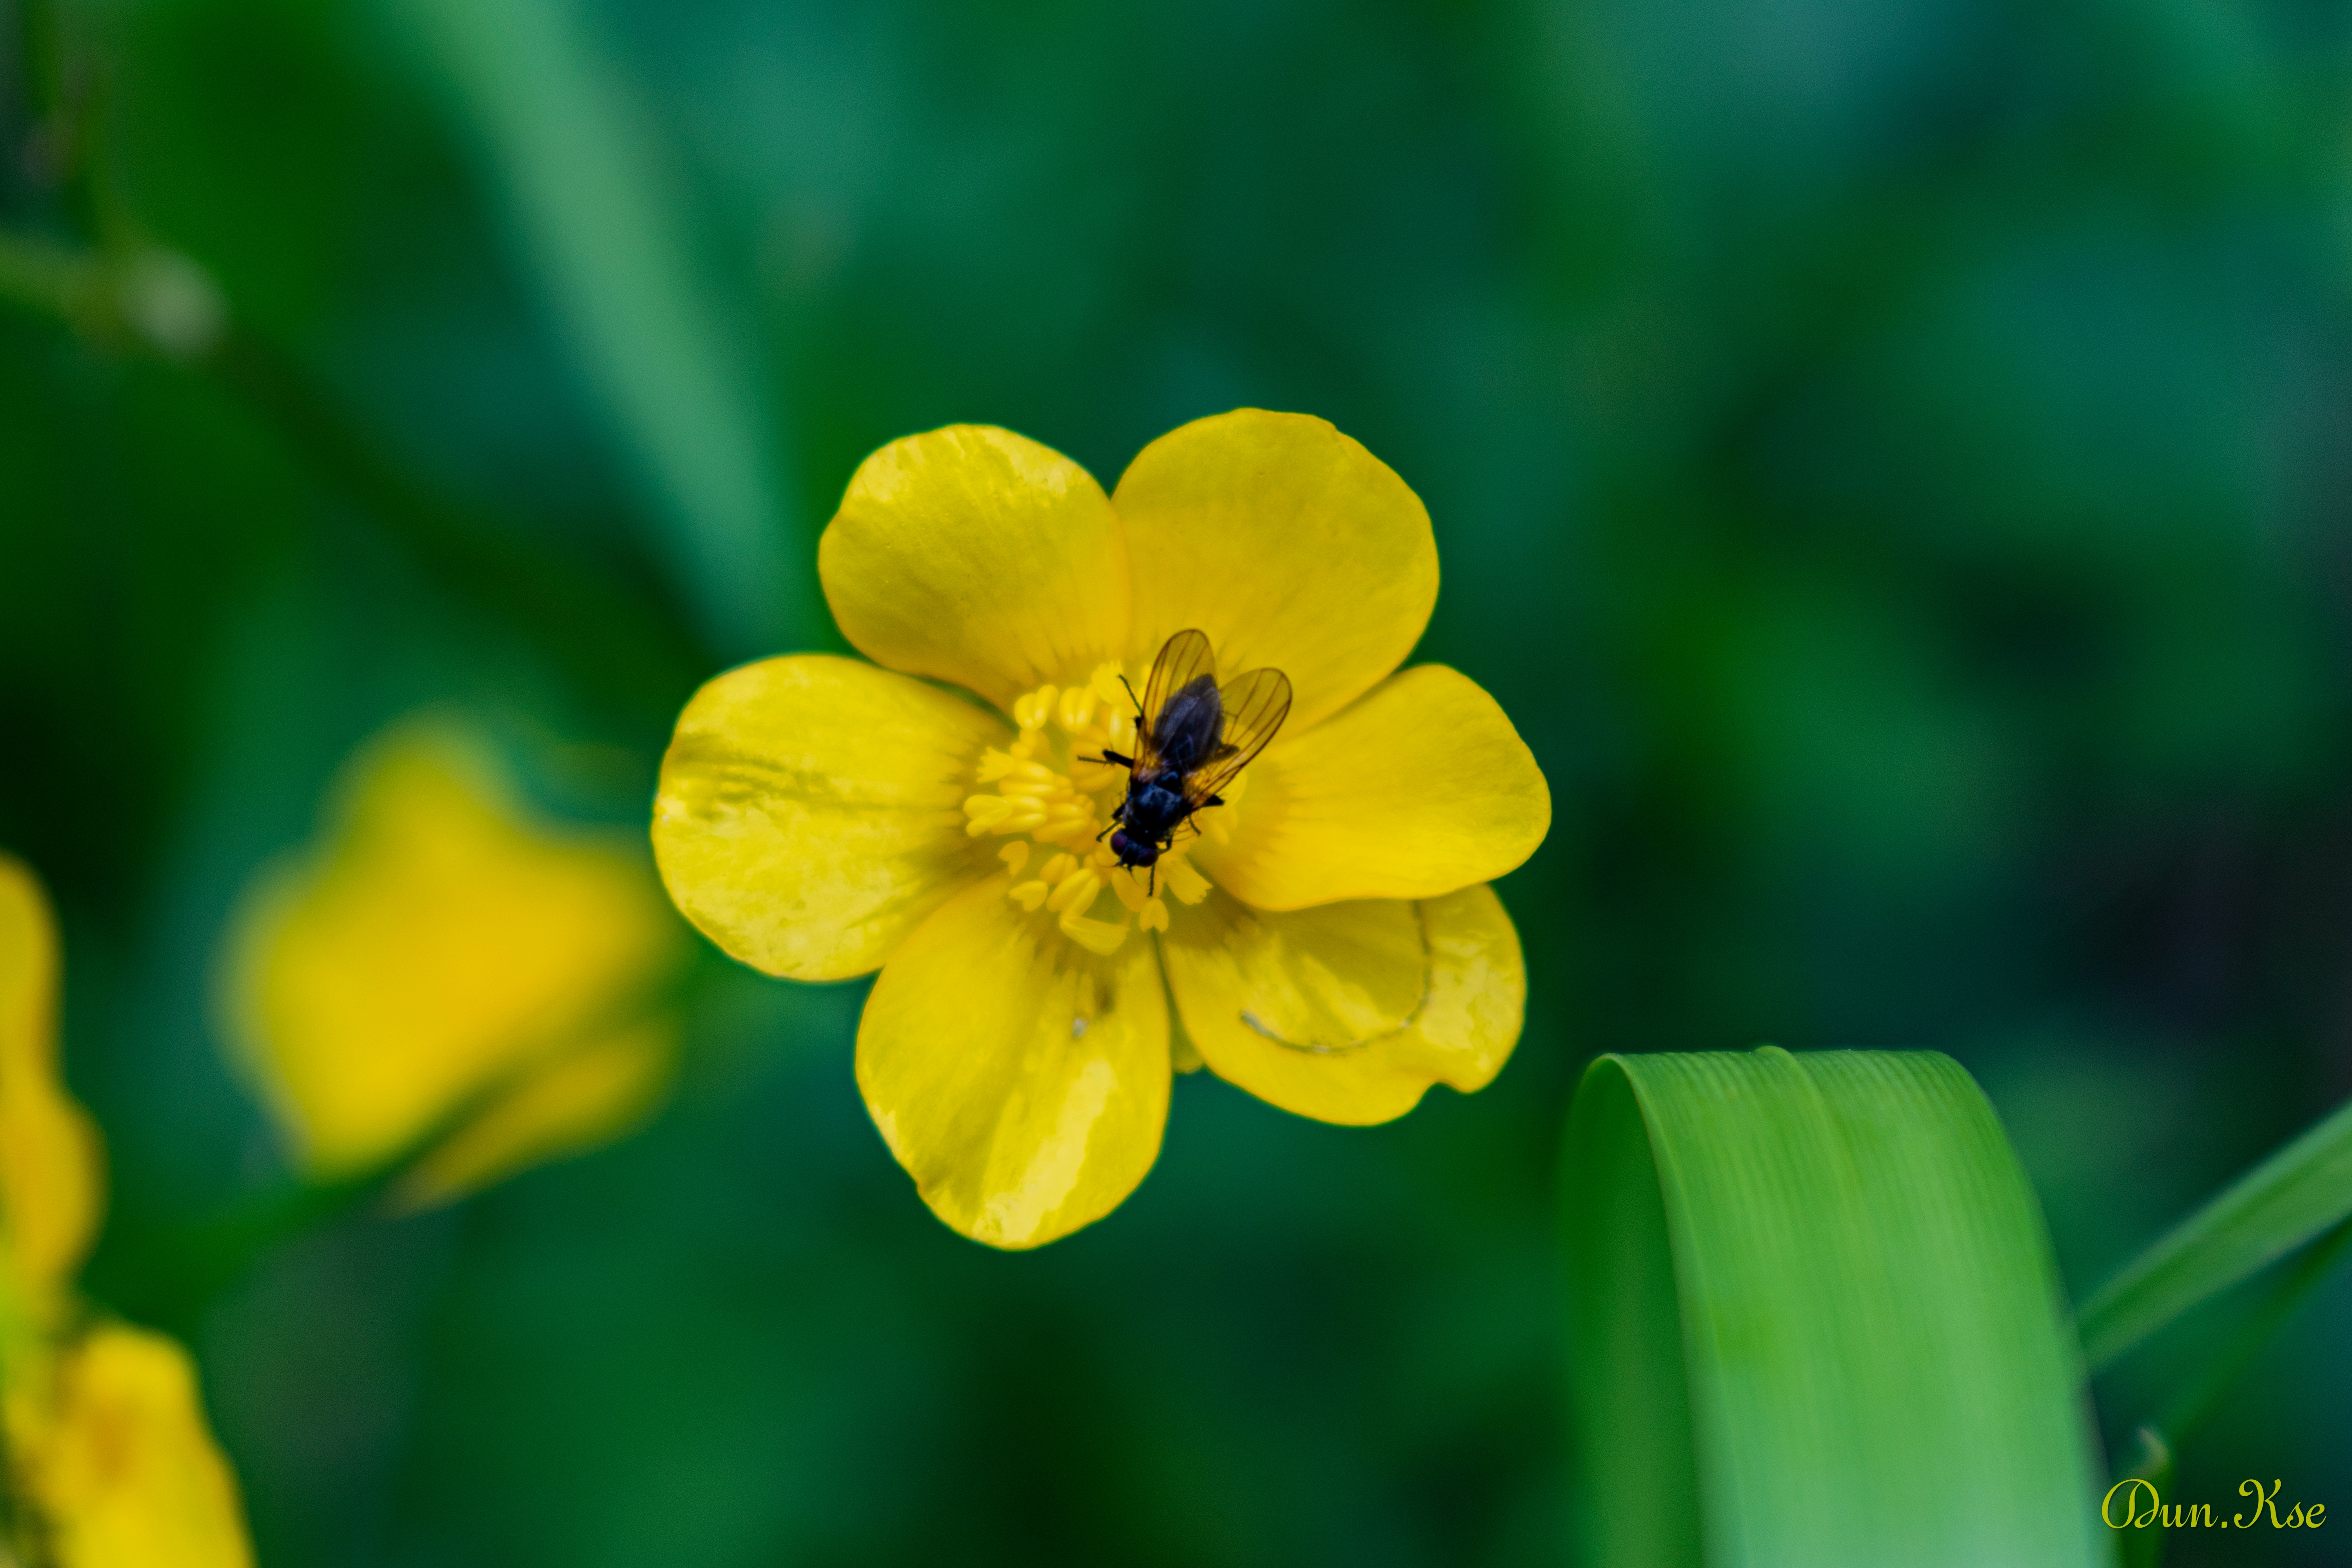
(1051, 789)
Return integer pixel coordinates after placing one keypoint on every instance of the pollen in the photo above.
(1051, 793)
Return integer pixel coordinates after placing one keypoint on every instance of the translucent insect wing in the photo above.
(1182, 657)
(1255, 705)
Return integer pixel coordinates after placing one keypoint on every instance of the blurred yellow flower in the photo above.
(108, 1461)
(51, 1174)
(1331, 945)
(441, 969)
(118, 1463)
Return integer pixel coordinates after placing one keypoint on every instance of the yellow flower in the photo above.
(118, 1463)
(442, 969)
(1328, 941)
(110, 1463)
(51, 1178)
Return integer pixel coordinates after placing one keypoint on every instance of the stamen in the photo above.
(1050, 785)
(1129, 892)
(985, 811)
(1096, 936)
(1078, 893)
(1030, 711)
(1184, 879)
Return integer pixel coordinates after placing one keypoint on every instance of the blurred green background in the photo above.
(1889, 456)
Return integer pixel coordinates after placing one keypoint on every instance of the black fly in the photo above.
(1191, 736)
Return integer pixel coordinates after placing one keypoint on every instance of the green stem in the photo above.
(609, 624)
(2158, 1441)
(187, 1271)
(2195, 1399)
(2290, 1199)
(2142, 1545)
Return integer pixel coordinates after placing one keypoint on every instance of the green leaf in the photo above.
(1815, 1321)
(592, 216)
(2275, 1208)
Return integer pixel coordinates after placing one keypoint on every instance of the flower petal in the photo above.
(591, 1095)
(1421, 788)
(808, 815)
(1021, 1081)
(1285, 541)
(437, 942)
(52, 1178)
(120, 1464)
(1477, 998)
(978, 556)
(1348, 1012)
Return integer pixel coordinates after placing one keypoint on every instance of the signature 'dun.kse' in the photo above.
(2135, 1504)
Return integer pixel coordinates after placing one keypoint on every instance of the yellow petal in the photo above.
(122, 1467)
(51, 1173)
(978, 556)
(809, 816)
(1285, 541)
(1421, 788)
(1021, 1081)
(1348, 1012)
(589, 1097)
(435, 944)
(1477, 998)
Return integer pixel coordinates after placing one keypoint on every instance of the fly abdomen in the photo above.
(1186, 732)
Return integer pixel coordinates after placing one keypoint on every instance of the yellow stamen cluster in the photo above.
(1050, 786)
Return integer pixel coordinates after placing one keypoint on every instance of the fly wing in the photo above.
(1255, 705)
(1182, 657)
(1185, 735)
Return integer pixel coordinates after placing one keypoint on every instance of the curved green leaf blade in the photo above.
(592, 215)
(1815, 1321)
(2275, 1208)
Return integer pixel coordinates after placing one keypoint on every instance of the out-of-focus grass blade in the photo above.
(1815, 1321)
(2275, 1208)
(589, 210)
